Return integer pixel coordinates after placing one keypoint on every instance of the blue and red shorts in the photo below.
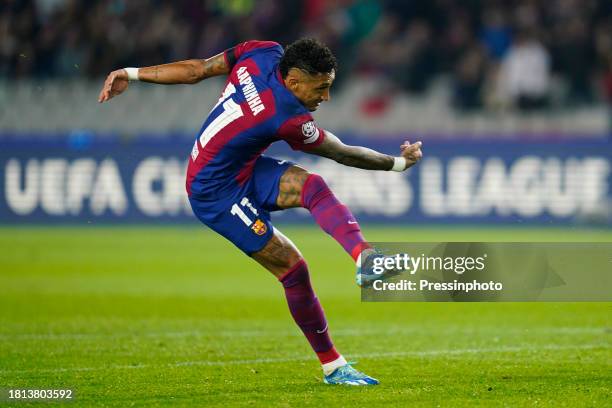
(243, 214)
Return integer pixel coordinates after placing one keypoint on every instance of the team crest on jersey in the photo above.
(310, 131)
(259, 227)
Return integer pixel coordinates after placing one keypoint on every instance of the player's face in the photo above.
(310, 89)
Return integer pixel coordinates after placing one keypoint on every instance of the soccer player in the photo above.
(232, 187)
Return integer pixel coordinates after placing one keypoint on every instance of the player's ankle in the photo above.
(332, 366)
(363, 255)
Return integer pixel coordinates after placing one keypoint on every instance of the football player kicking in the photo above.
(232, 187)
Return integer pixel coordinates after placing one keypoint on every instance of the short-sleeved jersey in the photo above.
(254, 110)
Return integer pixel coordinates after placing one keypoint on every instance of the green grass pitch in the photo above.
(139, 316)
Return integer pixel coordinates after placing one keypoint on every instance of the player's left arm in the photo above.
(364, 158)
(185, 72)
(181, 72)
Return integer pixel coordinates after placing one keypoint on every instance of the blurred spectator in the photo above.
(469, 80)
(573, 53)
(607, 90)
(524, 78)
(496, 34)
(410, 43)
(415, 64)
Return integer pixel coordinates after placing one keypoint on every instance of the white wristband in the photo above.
(132, 73)
(399, 164)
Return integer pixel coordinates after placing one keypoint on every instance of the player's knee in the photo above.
(315, 189)
(279, 255)
(289, 260)
(291, 186)
(280, 266)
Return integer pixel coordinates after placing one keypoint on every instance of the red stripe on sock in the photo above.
(305, 188)
(358, 249)
(328, 356)
(293, 268)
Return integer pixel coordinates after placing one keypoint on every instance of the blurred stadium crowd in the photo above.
(526, 53)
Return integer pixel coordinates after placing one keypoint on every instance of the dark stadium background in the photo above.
(510, 99)
(109, 285)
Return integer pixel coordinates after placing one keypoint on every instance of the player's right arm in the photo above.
(301, 133)
(181, 72)
(364, 158)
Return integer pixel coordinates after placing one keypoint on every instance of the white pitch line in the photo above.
(264, 333)
(383, 354)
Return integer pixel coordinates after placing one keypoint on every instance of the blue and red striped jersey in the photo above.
(254, 111)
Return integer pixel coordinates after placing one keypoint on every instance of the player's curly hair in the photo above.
(309, 55)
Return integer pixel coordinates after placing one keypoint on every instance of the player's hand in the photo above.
(116, 82)
(411, 152)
